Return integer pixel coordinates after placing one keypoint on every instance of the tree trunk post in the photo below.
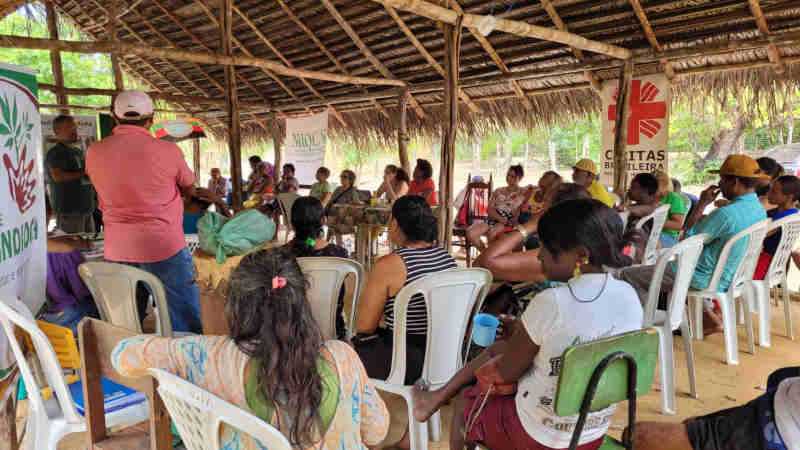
(402, 130)
(196, 158)
(277, 142)
(119, 84)
(232, 106)
(55, 57)
(452, 45)
(621, 131)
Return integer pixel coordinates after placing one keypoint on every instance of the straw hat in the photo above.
(741, 166)
(587, 165)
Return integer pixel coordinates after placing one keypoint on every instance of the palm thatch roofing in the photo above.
(711, 46)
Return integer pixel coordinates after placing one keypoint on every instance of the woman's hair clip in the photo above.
(310, 242)
(278, 282)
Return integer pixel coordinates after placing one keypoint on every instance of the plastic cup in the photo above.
(484, 329)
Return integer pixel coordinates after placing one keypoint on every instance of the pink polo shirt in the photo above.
(137, 177)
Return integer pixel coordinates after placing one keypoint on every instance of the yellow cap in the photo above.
(741, 166)
(587, 165)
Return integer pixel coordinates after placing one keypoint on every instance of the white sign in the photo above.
(23, 234)
(306, 140)
(648, 126)
(87, 131)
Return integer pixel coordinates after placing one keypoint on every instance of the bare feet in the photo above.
(425, 402)
(712, 323)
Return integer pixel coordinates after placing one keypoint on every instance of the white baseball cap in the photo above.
(133, 104)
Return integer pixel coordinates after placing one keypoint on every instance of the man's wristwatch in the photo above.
(522, 231)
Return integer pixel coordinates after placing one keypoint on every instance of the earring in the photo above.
(577, 272)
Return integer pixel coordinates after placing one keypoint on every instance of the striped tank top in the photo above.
(419, 262)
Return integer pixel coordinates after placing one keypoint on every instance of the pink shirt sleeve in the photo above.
(185, 175)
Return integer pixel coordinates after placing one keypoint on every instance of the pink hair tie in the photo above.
(278, 282)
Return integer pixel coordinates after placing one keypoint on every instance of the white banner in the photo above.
(87, 131)
(23, 234)
(306, 140)
(648, 126)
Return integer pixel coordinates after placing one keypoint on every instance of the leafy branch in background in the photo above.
(18, 131)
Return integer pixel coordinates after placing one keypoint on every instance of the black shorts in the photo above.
(376, 355)
(730, 429)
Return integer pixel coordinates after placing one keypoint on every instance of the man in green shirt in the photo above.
(71, 192)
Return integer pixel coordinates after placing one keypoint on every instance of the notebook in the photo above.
(115, 396)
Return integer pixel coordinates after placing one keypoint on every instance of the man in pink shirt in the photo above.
(139, 180)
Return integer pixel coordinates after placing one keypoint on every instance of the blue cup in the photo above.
(484, 329)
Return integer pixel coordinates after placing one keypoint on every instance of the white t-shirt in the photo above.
(787, 411)
(555, 320)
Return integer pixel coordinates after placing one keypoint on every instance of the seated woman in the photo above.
(413, 229)
(548, 183)
(343, 195)
(422, 184)
(274, 364)
(677, 210)
(395, 183)
(196, 206)
(68, 298)
(784, 193)
(502, 258)
(504, 206)
(578, 237)
(307, 222)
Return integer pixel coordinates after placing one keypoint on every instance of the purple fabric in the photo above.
(64, 285)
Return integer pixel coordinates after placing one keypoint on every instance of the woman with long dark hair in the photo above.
(274, 363)
(395, 183)
(422, 184)
(579, 238)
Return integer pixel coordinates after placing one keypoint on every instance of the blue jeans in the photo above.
(71, 315)
(667, 241)
(177, 275)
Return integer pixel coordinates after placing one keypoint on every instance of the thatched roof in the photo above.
(306, 34)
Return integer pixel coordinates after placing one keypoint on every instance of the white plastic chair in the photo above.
(659, 216)
(326, 276)
(50, 420)
(192, 242)
(754, 236)
(687, 252)
(286, 200)
(198, 416)
(776, 276)
(451, 296)
(113, 287)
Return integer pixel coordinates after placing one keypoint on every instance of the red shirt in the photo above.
(137, 178)
(416, 188)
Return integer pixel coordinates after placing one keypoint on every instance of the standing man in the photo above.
(71, 192)
(139, 180)
(584, 172)
(288, 182)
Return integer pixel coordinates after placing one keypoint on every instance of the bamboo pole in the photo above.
(452, 45)
(621, 130)
(277, 141)
(234, 129)
(55, 57)
(435, 12)
(112, 32)
(402, 131)
(7, 41)
(196, 158)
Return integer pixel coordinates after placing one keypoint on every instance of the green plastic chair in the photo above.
(600, 373)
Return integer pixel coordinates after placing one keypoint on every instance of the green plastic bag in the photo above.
(238, 235)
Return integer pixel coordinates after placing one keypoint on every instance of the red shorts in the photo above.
(763, 265)
(498, 424)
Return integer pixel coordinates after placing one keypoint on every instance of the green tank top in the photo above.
(263, 408)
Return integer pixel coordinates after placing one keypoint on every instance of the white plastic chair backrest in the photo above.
(326, 276)
(754, 239)
(192, 242)
(790, 231)
(13, 312)
(686, 253)
(659, 216)
(113, 287)
(451, 297)
(624, 216)
(615, 198)
(198, 414)
(286, 201)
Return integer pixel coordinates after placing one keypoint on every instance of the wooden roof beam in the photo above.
(772, 49)
(367, 52)
(435, 12)
(651, 37)
(325, 50)
(489, 49)
(428, 57)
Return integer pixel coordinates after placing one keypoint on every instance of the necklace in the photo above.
(605, 282)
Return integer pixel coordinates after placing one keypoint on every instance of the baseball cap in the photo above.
(587, 165)
(133, 104)
(741, 166)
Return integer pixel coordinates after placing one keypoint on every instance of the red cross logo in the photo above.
(644, 111)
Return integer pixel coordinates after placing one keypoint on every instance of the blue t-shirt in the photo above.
(190, 222)
(771, 242)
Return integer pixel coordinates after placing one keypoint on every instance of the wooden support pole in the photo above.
(234, 130)
(153, 94)
(55, 57)
(277, 141)
(402, 131)
(452, 46)
(621, 130)
(9, 41)
(196, 158)
(119, 84)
